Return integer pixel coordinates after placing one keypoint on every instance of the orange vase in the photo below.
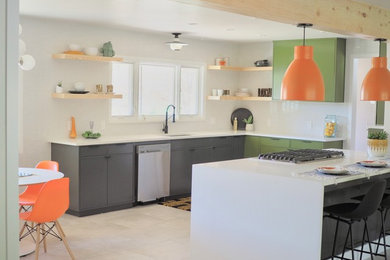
(73, 133)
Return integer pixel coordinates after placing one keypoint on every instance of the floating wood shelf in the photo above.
(85, 96)
(239, 98)
(215, 67)
(63, 56)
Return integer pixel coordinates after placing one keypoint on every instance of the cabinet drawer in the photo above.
(223, 140)
(305, 144)
(272, 149)
(272, 141)
(92, 150)
(120, 148)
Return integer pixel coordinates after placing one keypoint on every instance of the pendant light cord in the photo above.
(304, 35)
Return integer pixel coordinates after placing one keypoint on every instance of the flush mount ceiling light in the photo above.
(176, 44)
(303, 79)
(376, 84)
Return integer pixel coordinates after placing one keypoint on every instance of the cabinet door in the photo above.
(180, 179)
(252, 146)
(238, 147)
(328, 53)
(223, 153)
(93, 182)
(304, 144)
(202, 154)
(121, 184)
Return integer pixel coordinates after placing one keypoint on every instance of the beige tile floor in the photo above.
(143, 232)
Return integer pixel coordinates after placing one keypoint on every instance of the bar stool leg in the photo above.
(363, 240)
(353, 253)
(335, 237)
(383, 231)
(345, 243)
(368, 238)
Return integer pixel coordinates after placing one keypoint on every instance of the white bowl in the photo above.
(79, 86)
(74, 47)
(92, 51)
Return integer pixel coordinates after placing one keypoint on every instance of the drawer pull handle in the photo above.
(107, 156)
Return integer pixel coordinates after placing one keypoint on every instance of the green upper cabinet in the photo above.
(329, 54)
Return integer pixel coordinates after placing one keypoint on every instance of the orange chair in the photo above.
(51, 203)
(28, 197)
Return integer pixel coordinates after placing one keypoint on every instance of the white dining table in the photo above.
(36, 176)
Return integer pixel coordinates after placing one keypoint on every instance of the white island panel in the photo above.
(241, 214)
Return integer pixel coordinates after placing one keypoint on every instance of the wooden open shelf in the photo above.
(63, 56)
(85, 96)
(239, 98)
(215, 67)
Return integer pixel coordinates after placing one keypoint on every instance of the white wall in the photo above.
(45, 118)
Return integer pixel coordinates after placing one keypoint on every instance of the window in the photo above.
(189, 91)
(159, 85)
(157, 88)
(122, 79)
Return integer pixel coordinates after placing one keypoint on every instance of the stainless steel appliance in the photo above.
(153, 171)
(302, 155)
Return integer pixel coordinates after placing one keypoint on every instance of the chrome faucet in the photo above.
(165, 127)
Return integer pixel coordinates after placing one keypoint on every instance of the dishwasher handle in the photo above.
(153, 148)
(151, 151)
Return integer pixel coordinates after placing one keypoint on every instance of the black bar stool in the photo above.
(383, 209)
(350, 213)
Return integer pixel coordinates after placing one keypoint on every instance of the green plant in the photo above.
(59, 83)
(249, 120)
(380, 135)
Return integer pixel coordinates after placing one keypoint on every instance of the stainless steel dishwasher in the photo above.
(153, 171)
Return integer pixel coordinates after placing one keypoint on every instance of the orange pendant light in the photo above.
(376, 84)
(303, 79)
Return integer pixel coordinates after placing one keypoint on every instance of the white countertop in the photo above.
(304, 170)
(80, 141)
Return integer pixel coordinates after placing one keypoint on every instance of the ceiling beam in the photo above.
(339, 16)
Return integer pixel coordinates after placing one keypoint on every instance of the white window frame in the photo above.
(136, 117)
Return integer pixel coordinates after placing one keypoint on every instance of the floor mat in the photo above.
(182, 203)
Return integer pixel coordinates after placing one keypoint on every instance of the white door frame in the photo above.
(9, 221)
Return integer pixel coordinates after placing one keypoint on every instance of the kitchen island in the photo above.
(259, 209)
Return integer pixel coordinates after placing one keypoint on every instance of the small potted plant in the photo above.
(377, 143)
(248, 123)
(59, 88)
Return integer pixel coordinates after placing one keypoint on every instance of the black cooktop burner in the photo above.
(303, 155)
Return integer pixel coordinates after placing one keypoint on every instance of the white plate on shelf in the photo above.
(334, 170)
(377, 164)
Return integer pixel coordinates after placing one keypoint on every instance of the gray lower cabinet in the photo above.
(102, 177)
(185, 153)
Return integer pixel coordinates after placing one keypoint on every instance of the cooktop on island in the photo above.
(302, 155)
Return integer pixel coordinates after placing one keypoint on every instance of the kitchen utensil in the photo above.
(333, 170)
(79, 86)
(226, 92)
(92, 51)
(374, 164)
(240, 113)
